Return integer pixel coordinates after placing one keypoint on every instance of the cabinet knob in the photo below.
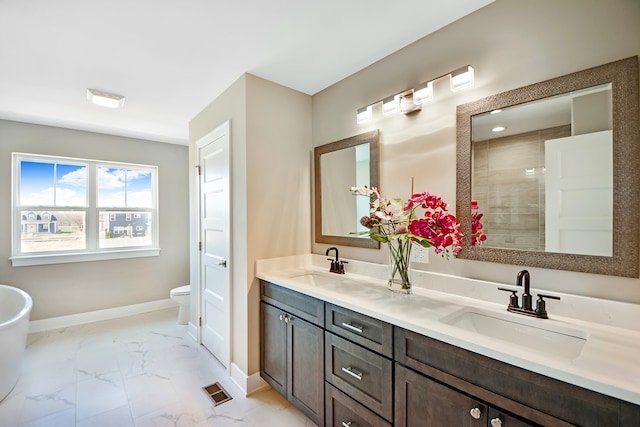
(476, 413)
(496, 422)
(282, 317)
(347, 424)
(287, 319)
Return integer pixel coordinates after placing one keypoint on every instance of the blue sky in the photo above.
(49, 183)
(59, 184)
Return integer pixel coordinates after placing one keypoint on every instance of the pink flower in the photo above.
(477, 235)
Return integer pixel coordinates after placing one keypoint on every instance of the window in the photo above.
(69, 210)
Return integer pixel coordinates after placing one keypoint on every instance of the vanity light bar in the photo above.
(461, 78)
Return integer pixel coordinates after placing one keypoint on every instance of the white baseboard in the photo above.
(193, 331)
(248, 384)
(98, 315)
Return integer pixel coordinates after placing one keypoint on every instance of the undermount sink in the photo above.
(318, 279)
(541, 335)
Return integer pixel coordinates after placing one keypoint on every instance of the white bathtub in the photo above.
(15, 307)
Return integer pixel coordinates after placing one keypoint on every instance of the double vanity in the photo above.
(348, 352)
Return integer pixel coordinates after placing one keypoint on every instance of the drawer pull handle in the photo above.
(355, 374)
(346, 424)
(354, 328)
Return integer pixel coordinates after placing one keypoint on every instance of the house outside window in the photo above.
(71, 210)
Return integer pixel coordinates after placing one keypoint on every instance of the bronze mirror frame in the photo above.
(374, 167)
(623, 76)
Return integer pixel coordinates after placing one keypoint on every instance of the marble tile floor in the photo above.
(137, 371)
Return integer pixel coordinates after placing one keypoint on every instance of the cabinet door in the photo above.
(422, 402)
(273, 357)
(305, 363)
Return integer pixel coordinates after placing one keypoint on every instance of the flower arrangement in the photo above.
(396, 223)
(390, 219)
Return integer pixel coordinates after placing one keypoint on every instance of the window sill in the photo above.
(28, 260)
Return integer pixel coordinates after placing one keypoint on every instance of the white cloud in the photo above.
(69, 197)
(110, 181)
(41, 198)
(64, 197)
(139, 199)
(116, 178)
(77, 178)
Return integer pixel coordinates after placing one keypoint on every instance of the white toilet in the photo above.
(181, 296)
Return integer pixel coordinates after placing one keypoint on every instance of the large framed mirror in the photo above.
(554, 170)
(339, 166)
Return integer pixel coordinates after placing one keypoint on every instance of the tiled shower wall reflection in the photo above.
(508, 183)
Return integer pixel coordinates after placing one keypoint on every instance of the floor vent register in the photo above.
(217, 394)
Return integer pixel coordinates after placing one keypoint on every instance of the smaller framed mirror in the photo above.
(338, 166)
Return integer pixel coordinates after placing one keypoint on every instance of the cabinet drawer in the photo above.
(372, 333)
(361, 373)
(344, 411)
(300, 305)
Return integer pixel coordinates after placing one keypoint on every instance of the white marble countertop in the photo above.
(610, 347)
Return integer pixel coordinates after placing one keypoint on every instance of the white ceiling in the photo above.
(171, 58)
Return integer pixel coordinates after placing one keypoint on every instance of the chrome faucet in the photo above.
(540, 311)
(337, 266)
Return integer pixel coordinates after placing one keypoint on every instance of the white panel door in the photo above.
(214, 231)
(579, 194)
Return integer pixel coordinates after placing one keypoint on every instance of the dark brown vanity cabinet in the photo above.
(345, 369)
(432, 369)
(292, 355)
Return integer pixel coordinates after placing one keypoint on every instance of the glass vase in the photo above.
(400, 265)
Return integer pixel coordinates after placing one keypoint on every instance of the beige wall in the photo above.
(230, 106)
(65, 289)
(511, 43)
(270, 152)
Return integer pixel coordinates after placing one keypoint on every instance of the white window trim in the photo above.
(93, 253)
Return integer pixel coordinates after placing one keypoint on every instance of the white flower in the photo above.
(365, 190)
